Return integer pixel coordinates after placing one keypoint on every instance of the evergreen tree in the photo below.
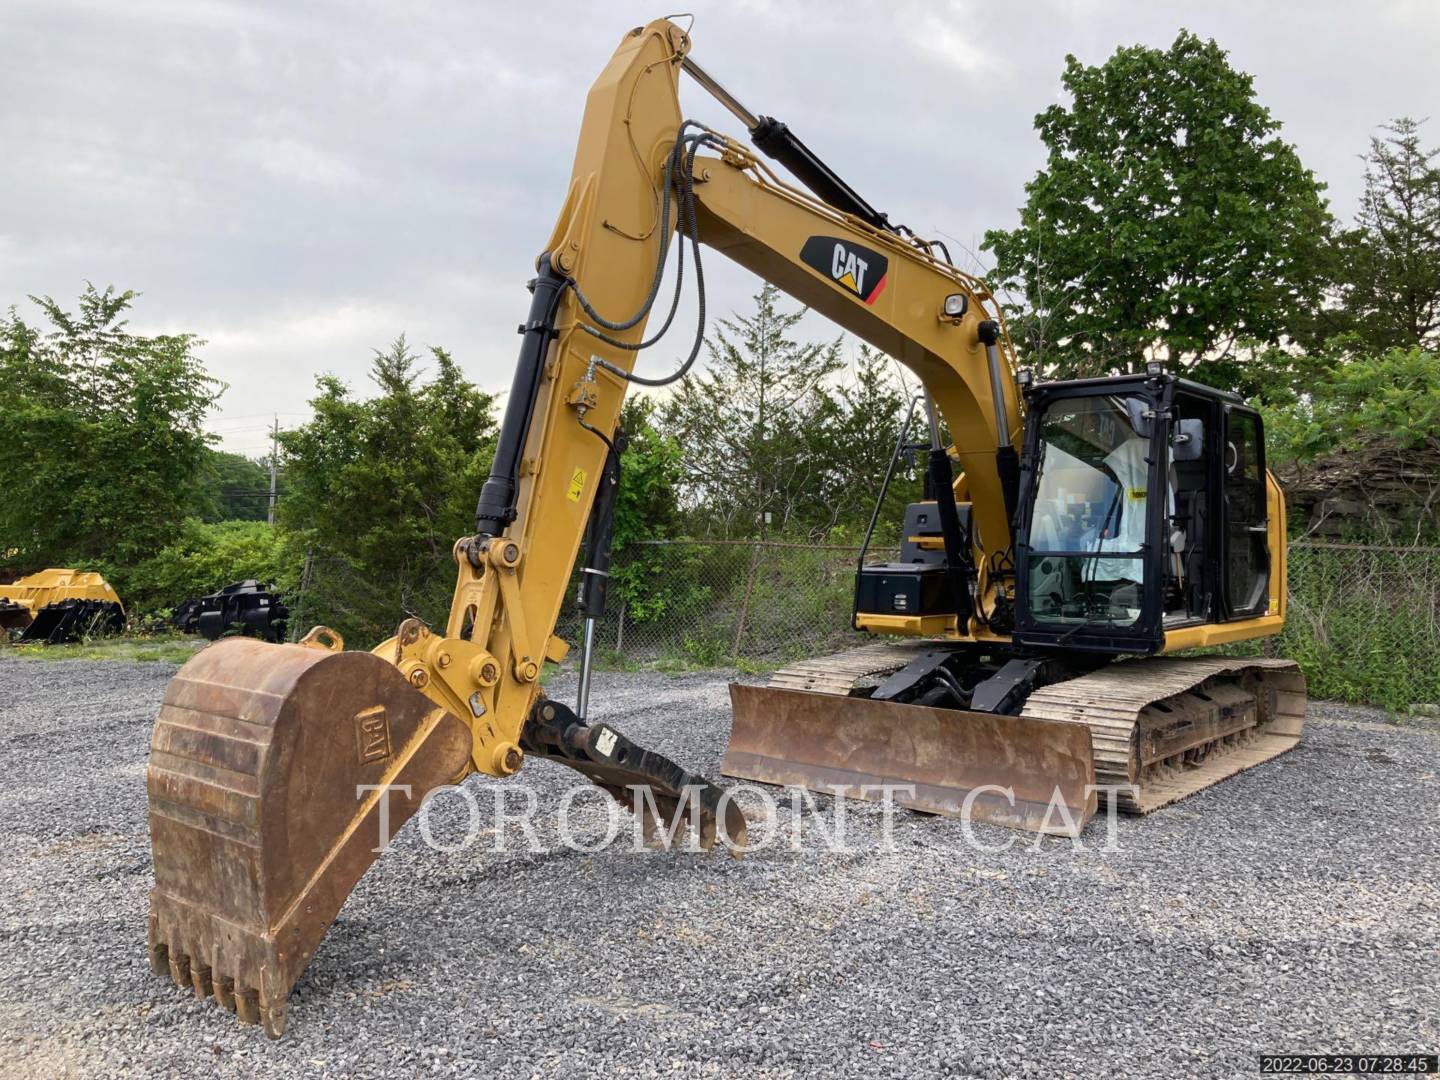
(378, 490)
(1388, 265)
(743, 422)
(853, 439)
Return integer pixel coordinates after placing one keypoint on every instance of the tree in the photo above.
(1391, 398)
(648, 581)
(203, 557)
(853, 438)
(742, 422)
(1170, 219)
(1388, 265)
(1359, 452)
(647, 506)
(101, 441)
(233, 487)
(379, 490)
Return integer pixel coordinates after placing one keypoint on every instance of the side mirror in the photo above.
(1188, 441)
(1136, 408)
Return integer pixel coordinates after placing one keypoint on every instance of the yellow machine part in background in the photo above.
(69, 599)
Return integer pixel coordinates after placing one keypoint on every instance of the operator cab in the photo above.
(1142, 509)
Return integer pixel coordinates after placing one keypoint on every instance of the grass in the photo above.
(142, 648)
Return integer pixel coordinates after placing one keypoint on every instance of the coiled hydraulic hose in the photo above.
(683, 154)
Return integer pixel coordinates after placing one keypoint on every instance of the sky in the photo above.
(299, 183)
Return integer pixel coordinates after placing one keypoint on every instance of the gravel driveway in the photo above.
(1293, 908)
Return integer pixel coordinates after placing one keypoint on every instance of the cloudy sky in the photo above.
(300, 182)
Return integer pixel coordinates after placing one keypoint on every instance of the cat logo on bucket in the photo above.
(855, 269)
(372, 734)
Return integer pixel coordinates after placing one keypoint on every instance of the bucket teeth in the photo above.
(160, 960)
(200, 979)
(273, 1019)
(179, 968)
(224, 990)
(247, 1005)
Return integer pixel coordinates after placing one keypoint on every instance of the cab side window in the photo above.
(1248, 548)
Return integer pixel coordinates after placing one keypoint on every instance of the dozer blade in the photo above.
(1010, 770)
(258, 829)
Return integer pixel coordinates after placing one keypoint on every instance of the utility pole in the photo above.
(274, 452)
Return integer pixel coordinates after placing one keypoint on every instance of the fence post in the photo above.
(745, 603)
(620, 630)
(293, 630)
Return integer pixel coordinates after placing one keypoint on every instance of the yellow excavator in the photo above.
(1068, 525)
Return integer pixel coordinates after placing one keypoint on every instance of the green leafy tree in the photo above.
(742, 422)
(203, 557)
(232, 487)
(1388, 266)
(1170, 220)
(648, 504)
(378, 490)
(1359, 452)
(101, 437)
(645, 579)
(1392, 397)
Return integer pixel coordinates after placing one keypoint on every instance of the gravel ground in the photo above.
(1293, 908)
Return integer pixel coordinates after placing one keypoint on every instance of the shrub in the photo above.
(203, 558)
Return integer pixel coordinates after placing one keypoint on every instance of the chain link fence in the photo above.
(752, 604)
(1363, 620)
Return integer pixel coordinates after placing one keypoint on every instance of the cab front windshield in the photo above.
(1088, 524)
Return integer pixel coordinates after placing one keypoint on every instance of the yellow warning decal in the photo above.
(577, 485)
(1136, 494)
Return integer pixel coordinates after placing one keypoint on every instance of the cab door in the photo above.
(1246, 558)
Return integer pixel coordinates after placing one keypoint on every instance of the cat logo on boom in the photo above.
(855, 269)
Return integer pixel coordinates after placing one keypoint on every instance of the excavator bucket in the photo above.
(1008, 770)
(275, 771)
(260, 820)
